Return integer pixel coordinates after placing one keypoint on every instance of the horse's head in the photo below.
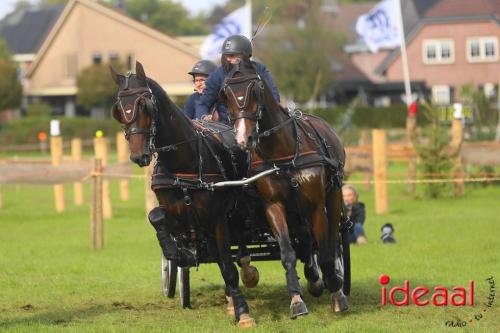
(243, 92)
(135, 109)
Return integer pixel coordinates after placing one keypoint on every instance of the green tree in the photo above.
(166, 16)
(96, 88)
(10, 86)
(54, 2)
(435, 154)
(299, 51)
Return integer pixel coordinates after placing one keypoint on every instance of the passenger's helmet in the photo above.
(204, 67)
(237, 44)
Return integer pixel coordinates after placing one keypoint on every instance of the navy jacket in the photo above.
(216, 80)
(190, 108)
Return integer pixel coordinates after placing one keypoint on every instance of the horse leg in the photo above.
(275, 214)
(230, 275)
(158, 220)
(315, 284)
(333, 207)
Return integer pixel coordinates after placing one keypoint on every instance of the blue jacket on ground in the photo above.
(214, 84)
(190, 108)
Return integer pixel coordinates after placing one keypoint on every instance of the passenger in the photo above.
(200, 72)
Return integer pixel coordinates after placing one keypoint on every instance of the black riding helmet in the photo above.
(204, 67)
(237, 44)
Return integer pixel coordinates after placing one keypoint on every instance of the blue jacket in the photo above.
(190, 108)
(216, 80)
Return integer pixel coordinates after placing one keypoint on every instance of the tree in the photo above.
(166, 16)
(96, 88)
(54, 2)
(300, 51)
(10, 86)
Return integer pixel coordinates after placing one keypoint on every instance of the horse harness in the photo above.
(322, 155)
(162, 178)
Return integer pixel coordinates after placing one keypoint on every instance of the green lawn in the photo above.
(51, 281)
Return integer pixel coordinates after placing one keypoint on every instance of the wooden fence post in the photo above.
(96, 208)
(123, 155)
(411, 125)
(101, 152)
(76, 155)
(456, 144)
(56, 153)
(380, 171)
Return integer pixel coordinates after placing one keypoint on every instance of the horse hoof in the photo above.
(298, 309)
(246, 321)
(249, 276)
(339, 301)
(230, 306)
(315, 288)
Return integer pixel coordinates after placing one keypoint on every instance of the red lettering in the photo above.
(460, 292)
(471, 292)
(443, 295)
(384, 296)
(415, 295)
(405, 290)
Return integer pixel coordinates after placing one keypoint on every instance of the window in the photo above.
(438, 51)
(441, 95)
(482, 49)
(71, 65)
(489, 90)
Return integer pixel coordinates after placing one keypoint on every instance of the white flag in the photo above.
(379, 27)
(238, 22)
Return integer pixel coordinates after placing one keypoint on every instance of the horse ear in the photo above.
(115, 112)
(116, 77)
(139, 71)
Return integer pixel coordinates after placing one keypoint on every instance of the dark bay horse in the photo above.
(191, 156)
(311, 158)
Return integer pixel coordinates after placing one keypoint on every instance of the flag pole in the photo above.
(249, 4)
(404, 56)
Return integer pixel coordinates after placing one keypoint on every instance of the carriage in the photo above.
(261, 246)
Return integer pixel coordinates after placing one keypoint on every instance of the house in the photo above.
(87, 32)
(454, 44)
(450, 43)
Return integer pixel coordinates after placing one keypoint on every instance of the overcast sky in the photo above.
(194, 6)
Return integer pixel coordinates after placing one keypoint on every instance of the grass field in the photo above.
(50, 281)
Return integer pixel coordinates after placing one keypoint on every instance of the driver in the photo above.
(233, 50)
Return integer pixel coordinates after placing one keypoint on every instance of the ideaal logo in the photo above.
(457, 296)
(441, 296)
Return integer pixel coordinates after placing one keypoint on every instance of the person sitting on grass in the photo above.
(356, 212)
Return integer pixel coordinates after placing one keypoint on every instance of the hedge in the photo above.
(26, 129)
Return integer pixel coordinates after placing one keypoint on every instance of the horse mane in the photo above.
(161, 96)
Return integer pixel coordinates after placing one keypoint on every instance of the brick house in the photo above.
(450, 43)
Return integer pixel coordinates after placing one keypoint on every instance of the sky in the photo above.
(194, 6)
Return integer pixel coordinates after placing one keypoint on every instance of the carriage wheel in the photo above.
(184, 287)
(346, 262)
(168, 276)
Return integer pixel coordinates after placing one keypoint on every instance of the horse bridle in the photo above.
(145, 97)
(255, 86)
